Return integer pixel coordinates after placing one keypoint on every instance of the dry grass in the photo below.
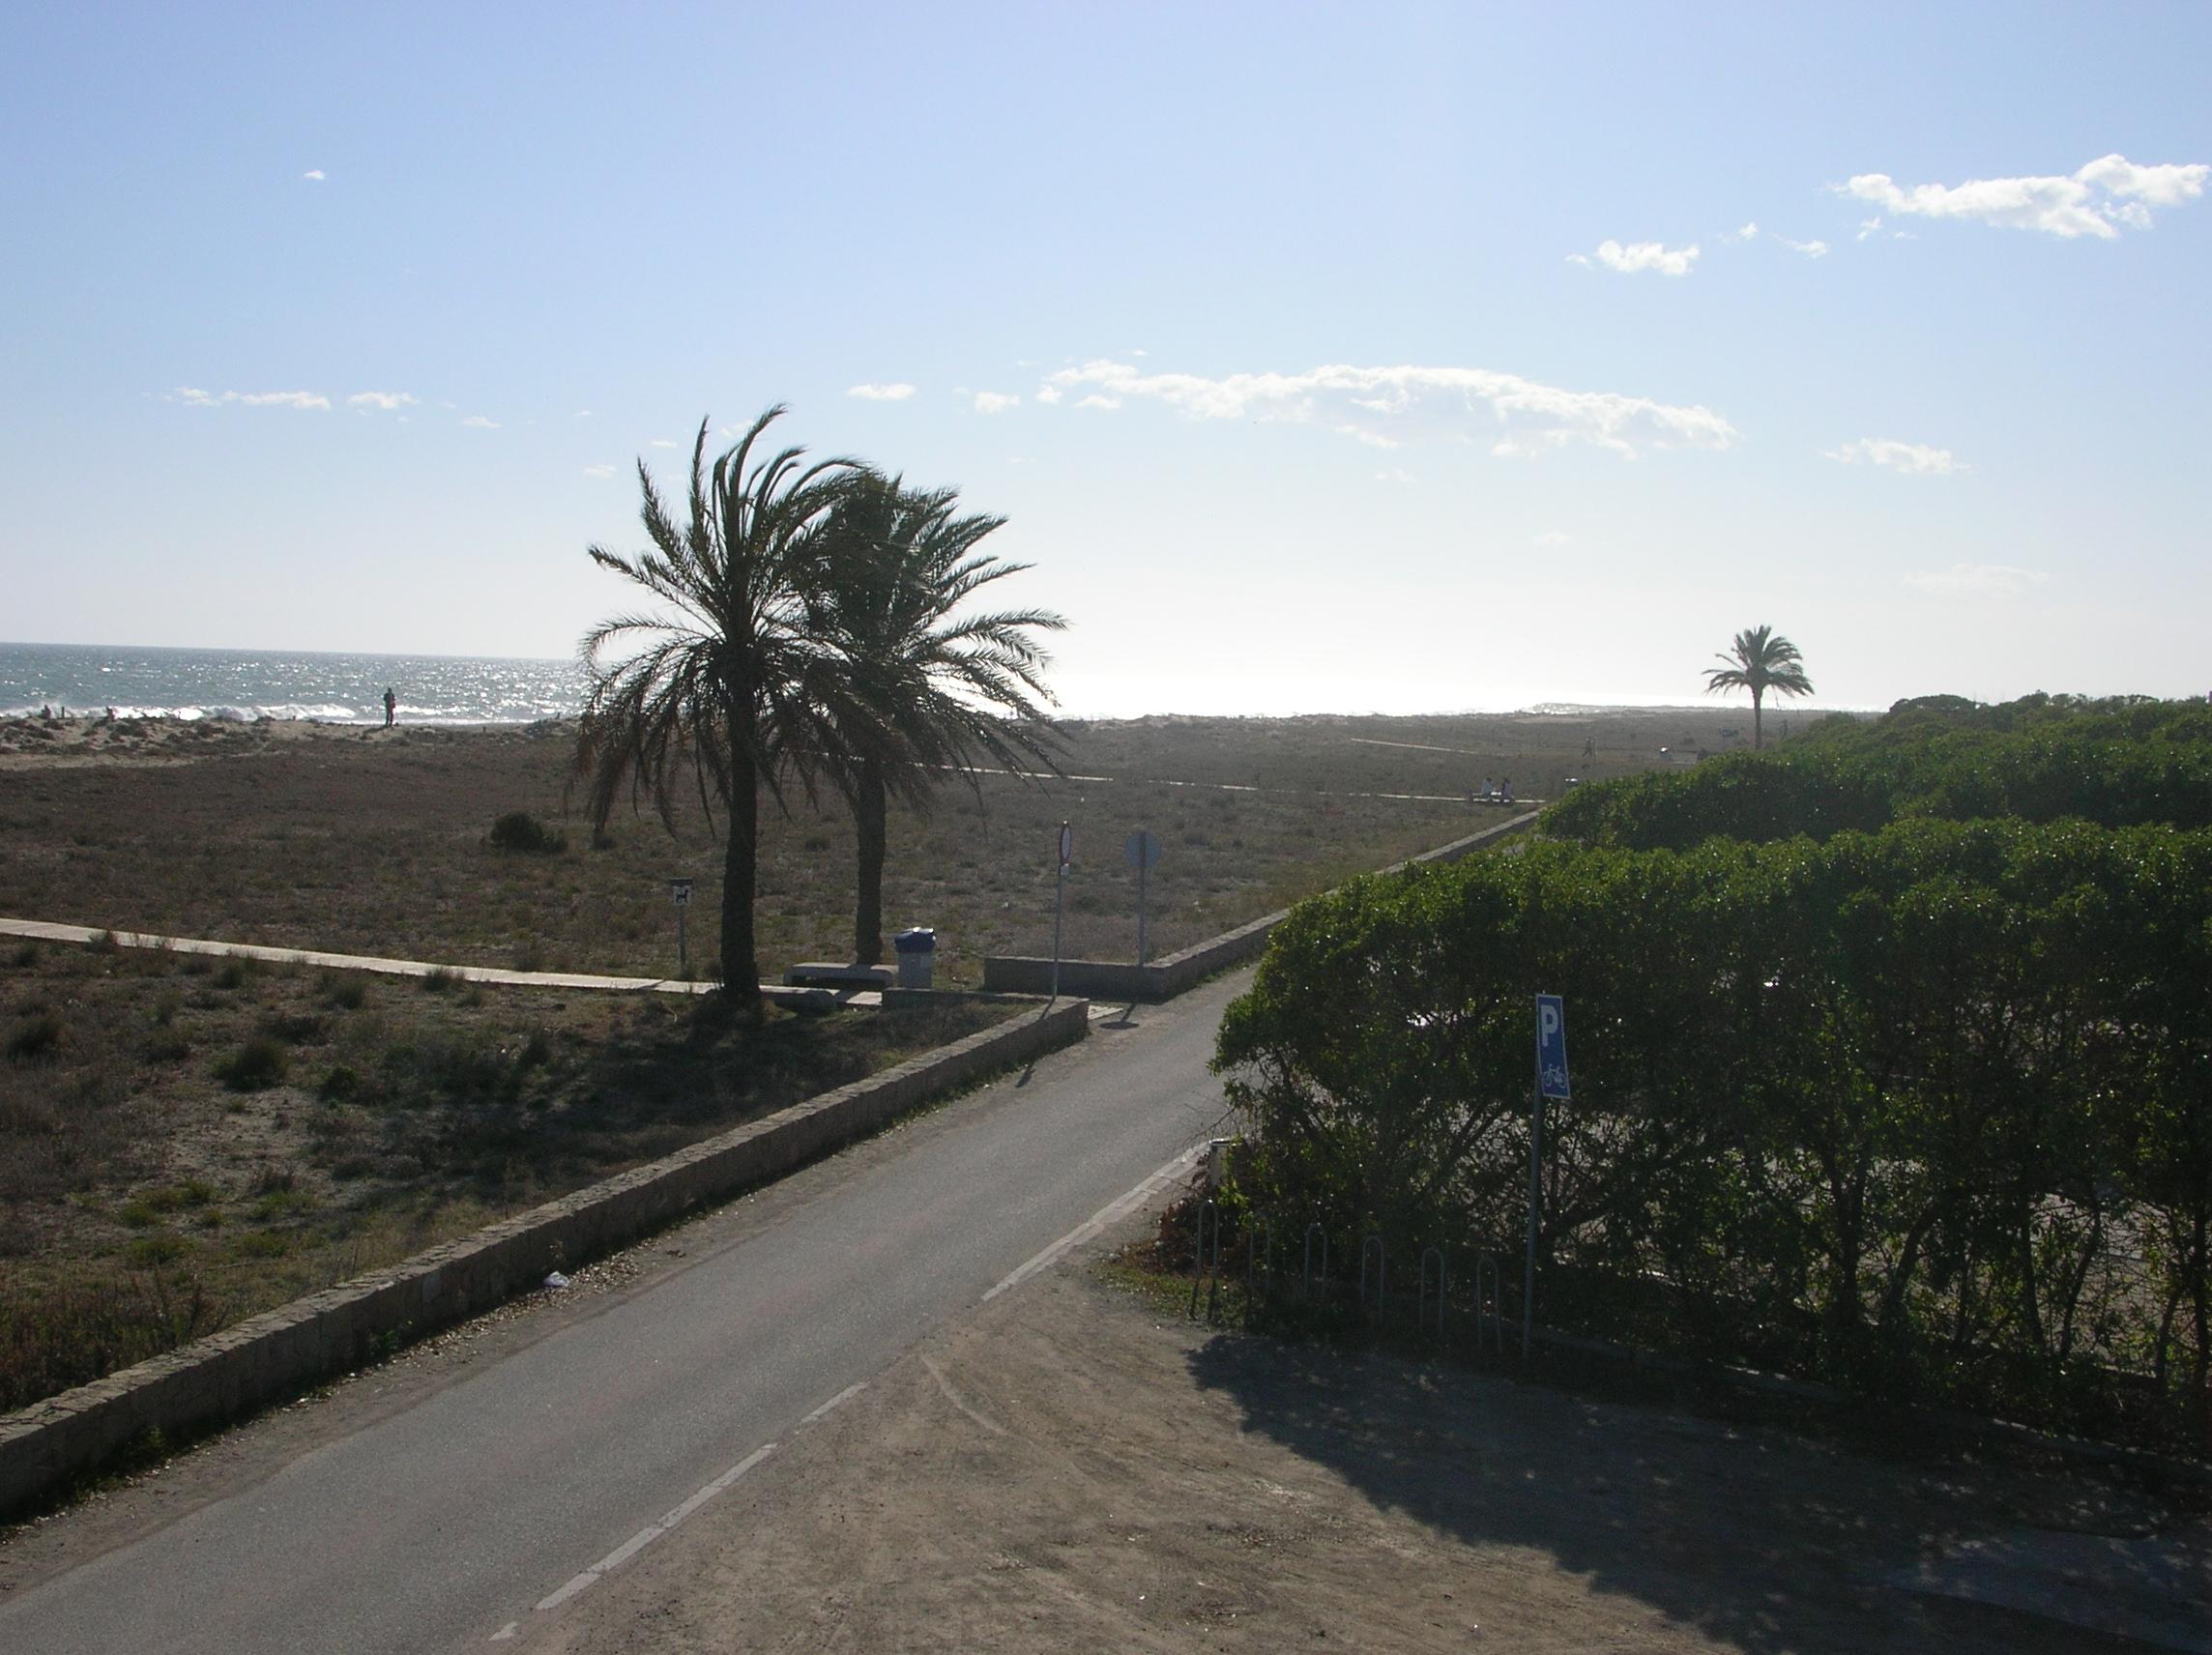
(185, 1141)
(379, 843)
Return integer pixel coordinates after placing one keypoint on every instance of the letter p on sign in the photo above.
(1552, 1045)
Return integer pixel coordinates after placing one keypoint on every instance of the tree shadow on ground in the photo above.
(1755, 1536)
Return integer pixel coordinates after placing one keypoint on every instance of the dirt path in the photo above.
(1070, 1469)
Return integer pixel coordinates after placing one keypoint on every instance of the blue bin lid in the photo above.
(921, 940)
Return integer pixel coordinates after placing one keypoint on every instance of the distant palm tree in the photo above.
(922, 690)
(714, 684)
(1761, 660)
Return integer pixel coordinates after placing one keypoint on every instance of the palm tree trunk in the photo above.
(870, 831)
(1757, 733)
(741, 968)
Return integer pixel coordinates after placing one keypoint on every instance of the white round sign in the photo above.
(1066, 844)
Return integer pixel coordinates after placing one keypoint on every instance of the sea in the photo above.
(242, 685)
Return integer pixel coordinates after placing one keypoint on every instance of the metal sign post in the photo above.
(1060, 899)
(1551, 1081)
(1140, 850)
(679, 892)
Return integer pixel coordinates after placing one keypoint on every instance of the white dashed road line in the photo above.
(839, 1400)
(652, 1531)
(1106, 1216)
(1112, 1214)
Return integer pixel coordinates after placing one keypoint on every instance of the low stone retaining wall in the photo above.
(274, 1354)
(1164, 979)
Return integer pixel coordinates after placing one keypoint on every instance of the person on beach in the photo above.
(390, 707)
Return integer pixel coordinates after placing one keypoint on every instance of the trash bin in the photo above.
(916, 956)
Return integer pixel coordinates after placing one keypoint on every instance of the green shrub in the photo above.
(166, 1046)
(519, 830)
(257, 1065)
(149, 1250)
(281, 1204)
(348, 990)
(37, 1038)
(291, 1027)
(1872, 1109)
(341, 1084)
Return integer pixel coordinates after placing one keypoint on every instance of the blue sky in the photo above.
(1321, 359)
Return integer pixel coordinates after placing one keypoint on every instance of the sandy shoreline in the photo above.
(78, 737)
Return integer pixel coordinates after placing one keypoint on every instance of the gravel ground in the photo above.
(1074, 1469)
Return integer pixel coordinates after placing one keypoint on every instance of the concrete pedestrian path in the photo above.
(46, 931)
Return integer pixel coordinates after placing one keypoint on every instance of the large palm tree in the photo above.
(923, 690)
(1760, 659)
(712, 683)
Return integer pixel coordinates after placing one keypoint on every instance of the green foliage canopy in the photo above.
(1927, 1110)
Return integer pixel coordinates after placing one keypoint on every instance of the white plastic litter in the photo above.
(556, 1281)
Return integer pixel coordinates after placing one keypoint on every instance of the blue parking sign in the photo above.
(1552, 1045)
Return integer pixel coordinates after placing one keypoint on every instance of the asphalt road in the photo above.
(467, 1515)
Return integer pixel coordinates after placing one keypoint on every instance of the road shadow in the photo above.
(1755, 1536)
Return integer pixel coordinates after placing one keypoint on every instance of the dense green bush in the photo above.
(519, 830)
(257, 1065)
(2122, 763)
(1927, 1111)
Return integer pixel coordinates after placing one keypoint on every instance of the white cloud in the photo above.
(315, 173)
(895, 392)
(1537, 418)
(666, 442)
(995, 401)
(1641, 257)
(386, 401)
(2100, 200)
(1554, 537)
(1752, 233)
(1396, 474)
(1109, 403)
(1913, 458)
(599, 470)
(1964, 578)
(192, 397)
(1361, 434)
(581, 414)
(1528, 445)
(477, 422)
(1049, 394)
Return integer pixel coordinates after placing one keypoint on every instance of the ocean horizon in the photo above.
(324, 687)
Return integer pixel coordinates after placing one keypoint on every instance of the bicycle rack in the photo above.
(1487, 1313)
(1373, 1244)
(1305, 1286)
(1198, 1265)
(1261, 1236)
(1421, 1311)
